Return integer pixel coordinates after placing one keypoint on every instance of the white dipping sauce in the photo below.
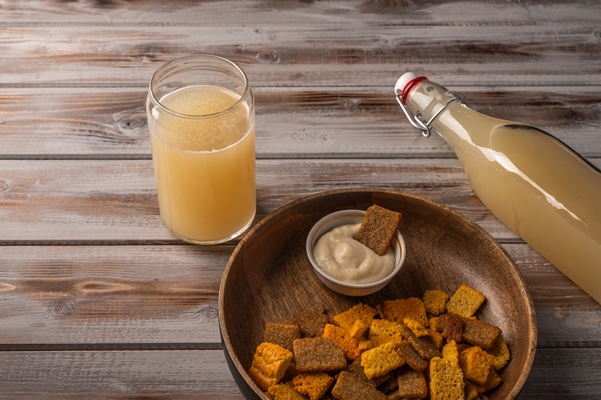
(345, 259)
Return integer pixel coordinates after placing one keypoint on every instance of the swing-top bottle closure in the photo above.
(402, 88)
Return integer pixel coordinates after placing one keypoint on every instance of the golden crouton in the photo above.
(269, 364)
(501, 354)
(383, 331)
(378, 228)
(450, 352)
(492, 381)
(437, 339)
(475, 364)
(284, 391)
(446, 380)
(349, 343)
(435, 301)
(318, 355)
(465, 301)
(361, 312)
(399, 309)
(358, 329)
(313, 385)
(417, 328)
(380, 360)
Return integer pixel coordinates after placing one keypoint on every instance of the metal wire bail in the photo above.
(417, 120)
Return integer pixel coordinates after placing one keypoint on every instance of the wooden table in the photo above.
(98, 300)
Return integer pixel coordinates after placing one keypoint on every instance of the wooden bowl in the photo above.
(268, 278)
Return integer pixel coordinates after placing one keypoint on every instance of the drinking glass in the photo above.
(201, 118)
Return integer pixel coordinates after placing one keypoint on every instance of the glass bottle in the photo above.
(534, 183)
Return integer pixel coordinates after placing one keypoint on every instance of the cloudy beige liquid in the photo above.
(532, 182)
(205, 168)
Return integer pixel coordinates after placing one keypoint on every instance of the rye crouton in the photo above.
(446, 380)
(356, 369)
(423, 345)
(349, 387)
(381, 360)
(450, 326)
(310, 321)
(480, 333)
(269, 364)
(465, 301)
(378, 228)
(313, 385)
(318, 355)
(412, 384)
(282, 334)
(411, 357)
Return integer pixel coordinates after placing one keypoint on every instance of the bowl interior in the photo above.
(269, 277)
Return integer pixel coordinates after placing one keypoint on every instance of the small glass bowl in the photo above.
(346, 217)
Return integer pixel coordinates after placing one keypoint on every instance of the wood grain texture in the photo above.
(306, 55)
(291, 123)
(191, 374)
(166, 296)
(98, 300)
(88, 200)
(103, 200)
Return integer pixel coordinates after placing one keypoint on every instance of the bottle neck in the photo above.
(428, 99)
(456, 123)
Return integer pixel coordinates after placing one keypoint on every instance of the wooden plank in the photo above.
(115, 200)
(557, 374)
(113, 12)
(291, 123)
(72, 297)
(304, 55)
(111, 295)
(57, 201)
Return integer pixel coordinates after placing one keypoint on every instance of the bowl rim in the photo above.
(531, 334)
(312, 240)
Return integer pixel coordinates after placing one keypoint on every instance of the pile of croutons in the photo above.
(433, 347)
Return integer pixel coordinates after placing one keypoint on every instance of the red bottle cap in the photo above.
(405, 83)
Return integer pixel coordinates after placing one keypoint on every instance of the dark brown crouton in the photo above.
(349, 387)
(318, 355)
(310, 321)
(282, 334)
(480, 333)
(378, 228)
(411, 356)
(423, 345)
(412, 384)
